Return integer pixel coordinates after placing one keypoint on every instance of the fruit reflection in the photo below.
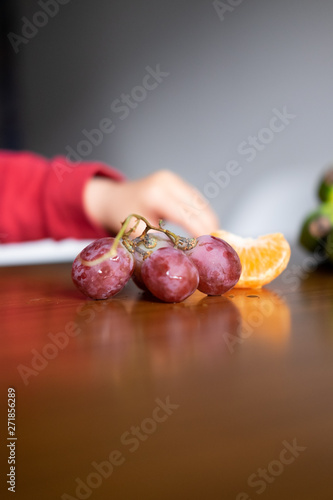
(220, 325)
(175, 334)
(264, 314)
(105, 338)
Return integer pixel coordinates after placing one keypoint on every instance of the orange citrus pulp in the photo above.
(263, 258)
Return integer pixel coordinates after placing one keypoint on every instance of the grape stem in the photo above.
(125, 235)
(178, 241)
(121, 233)
(113, 250)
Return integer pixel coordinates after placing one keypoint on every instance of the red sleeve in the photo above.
(42, 198)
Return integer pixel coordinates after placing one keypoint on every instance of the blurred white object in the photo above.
(40, 252)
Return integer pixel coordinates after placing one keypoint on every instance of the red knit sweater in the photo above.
(42, 198)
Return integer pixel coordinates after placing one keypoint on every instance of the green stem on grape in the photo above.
(113, 250)
(176, 240)
(150, 227)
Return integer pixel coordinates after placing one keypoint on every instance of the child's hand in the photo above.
(162, 195)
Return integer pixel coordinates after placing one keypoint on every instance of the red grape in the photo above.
(102, 278)
(150, 243)
(218, 265)
(170, 275)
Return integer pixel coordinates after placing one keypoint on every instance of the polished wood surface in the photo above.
(213, 398)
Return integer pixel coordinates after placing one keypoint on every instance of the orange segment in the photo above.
(262, 258)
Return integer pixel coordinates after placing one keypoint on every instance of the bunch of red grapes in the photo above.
(168, 266)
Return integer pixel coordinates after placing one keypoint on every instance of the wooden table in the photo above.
(214, 398)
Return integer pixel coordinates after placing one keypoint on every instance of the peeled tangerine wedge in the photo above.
(263, 258)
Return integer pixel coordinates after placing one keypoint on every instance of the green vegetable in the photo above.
(316, 227)
(325, 191)
(329, 246)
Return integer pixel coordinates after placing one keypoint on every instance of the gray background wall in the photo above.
(225, 78)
